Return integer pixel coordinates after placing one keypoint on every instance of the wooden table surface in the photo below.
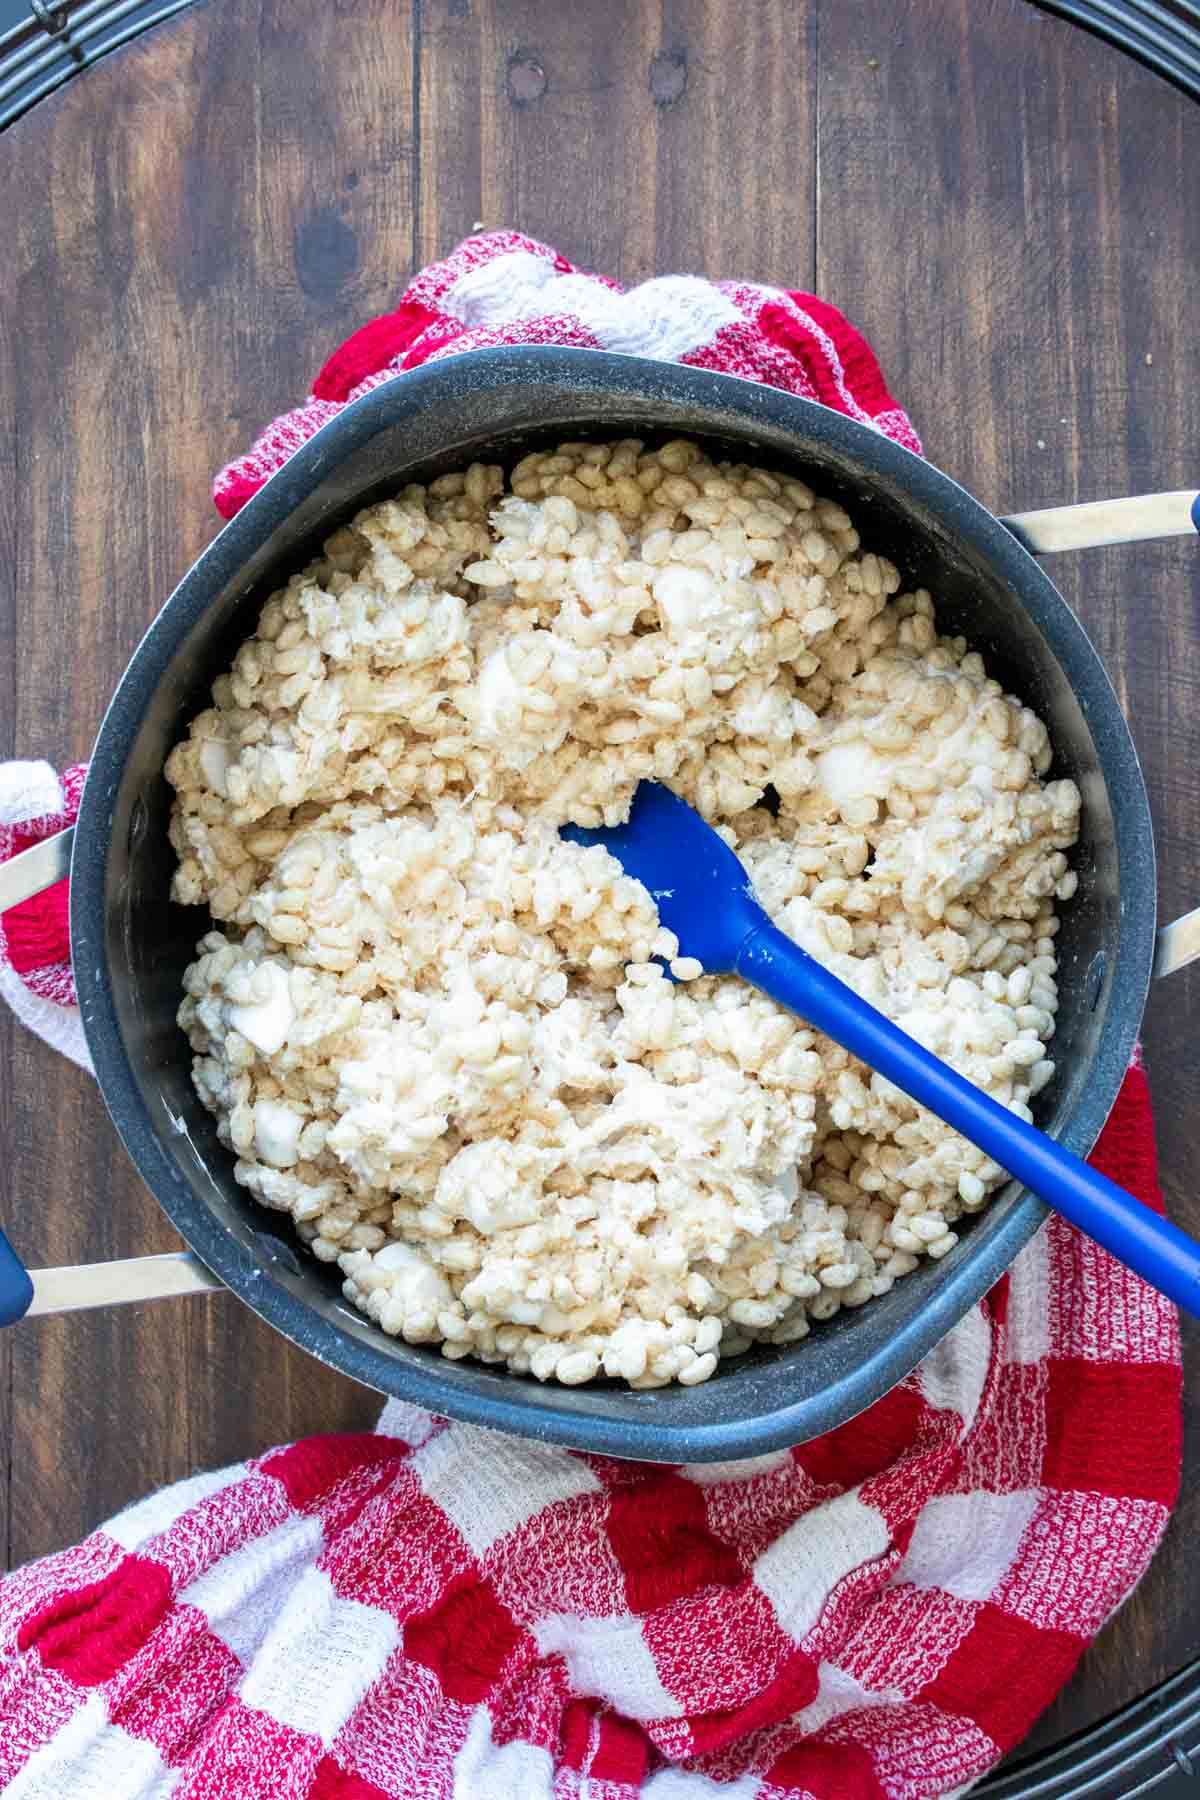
(1005, 204)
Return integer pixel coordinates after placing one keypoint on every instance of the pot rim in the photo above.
(353, 1346)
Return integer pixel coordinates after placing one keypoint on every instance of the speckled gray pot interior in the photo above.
(130, 944)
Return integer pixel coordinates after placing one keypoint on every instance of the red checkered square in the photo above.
(1070, 1574)
(903, 1642)
(869, 1444)
(794, 1686)
(332, 1782)
(171, 1689)
(717, 1651)
(660, 1536)
(987, 1676)
(836, 1771)
(601, 1747)
(1137, 1460)
(36, 1704)
(539, 1569)
(29, 1592)
(1005, 1452)
(400, 1551)
(469, 1639)
(247, 1752)
(88, 1633)
(399, 1761)
(313, 1471)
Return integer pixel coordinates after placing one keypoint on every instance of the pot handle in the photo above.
(1089, 527)
(1099, 522)
(36, 1291)
(27, 873)
(84, 1285)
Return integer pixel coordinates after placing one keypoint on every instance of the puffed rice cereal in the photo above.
(444, 1040)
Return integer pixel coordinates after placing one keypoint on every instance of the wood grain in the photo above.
(179, 271)
(996, 197)
(605, 132)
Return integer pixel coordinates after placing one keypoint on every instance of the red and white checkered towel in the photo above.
(437, 1612)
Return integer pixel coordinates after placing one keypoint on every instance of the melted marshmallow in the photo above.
(266, 1023)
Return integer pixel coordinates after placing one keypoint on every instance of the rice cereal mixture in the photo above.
(443, 1039)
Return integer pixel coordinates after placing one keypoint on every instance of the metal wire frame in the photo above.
(1165, 38)
(59, 38)
(58, 41)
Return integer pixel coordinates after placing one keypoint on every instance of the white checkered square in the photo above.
(666, 318)
(316, 1693)
(966, 1543)
(158, 1512)
(839, 1693)
(89, 1759)
(411, 1424)
(240, 1595)
(488, 1485)
(513, 1771)
(952, 1376)
(611, 1658)
(718, 1473)
(805, 1564)
(682, 1784)
(1029, 1303)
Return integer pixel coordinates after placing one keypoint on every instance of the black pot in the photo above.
(130, 944)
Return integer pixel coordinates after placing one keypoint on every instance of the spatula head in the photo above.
(702, 892)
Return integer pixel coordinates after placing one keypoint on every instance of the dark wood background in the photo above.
(1007, 207)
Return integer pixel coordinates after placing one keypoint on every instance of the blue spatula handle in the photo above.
(1159, 1252)
(16, 1289)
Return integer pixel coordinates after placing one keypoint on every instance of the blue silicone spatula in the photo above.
(704, 896)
